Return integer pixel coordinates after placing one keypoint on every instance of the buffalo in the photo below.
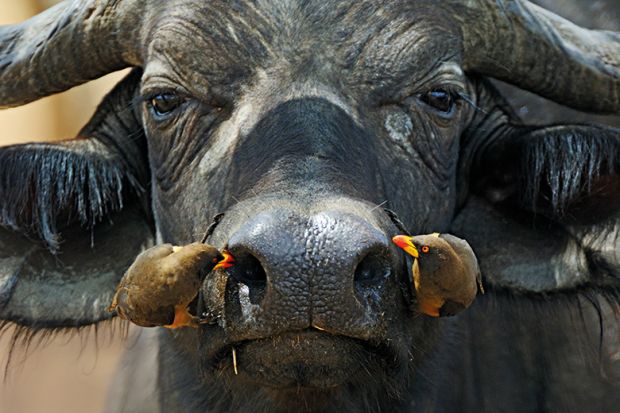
(320, 129)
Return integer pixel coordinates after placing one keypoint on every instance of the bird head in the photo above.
(418, 245)
(428, 251)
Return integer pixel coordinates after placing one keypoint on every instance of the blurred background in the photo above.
(55, 117)
(67, 375)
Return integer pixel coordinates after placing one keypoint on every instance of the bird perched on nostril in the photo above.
(445, 272)
(158, 287)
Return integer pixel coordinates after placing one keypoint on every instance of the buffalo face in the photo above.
(303, 155)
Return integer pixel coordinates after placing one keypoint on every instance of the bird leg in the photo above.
(211, 227)
(183, 318)
(396, 221)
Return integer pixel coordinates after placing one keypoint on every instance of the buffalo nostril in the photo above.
(372, 268)
(248, 270)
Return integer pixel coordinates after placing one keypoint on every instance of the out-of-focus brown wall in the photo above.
(67, 375)
(56, 117)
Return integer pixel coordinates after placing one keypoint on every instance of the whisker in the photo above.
(380, 205)
(234, 358)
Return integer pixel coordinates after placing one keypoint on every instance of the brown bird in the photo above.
(163, 280)
(446, 275)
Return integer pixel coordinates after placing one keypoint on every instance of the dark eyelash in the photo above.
(467, 99)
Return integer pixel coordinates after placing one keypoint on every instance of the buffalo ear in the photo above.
(73, 216)
(545, 213)
(568, 173)
(73, 288)
(517, 255)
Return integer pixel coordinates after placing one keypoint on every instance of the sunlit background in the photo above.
(67, 375)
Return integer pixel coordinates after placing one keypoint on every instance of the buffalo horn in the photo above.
(66, 45)
(523, 44)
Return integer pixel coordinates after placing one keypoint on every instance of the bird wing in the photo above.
(464, 250)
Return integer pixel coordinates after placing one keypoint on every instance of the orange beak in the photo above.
(406, 243)
(227, 262)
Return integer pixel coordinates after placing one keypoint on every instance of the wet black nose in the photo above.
(278, 243)
(325, 271)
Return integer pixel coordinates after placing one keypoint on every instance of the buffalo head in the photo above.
(311, 126)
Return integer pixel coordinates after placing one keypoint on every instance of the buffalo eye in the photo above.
(439, 99)
(164, 103)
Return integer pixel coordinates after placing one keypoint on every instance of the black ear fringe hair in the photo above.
(73, 180)
(22, 341)
(562, 163)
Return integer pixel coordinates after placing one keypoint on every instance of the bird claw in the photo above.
(182, 318)
(206, 320)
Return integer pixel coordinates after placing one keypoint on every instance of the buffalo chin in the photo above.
(308, 370)
(304, 359)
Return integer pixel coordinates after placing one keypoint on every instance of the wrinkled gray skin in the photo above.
(301, 123)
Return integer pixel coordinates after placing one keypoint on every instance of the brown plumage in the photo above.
(445, 272)
(163, 280)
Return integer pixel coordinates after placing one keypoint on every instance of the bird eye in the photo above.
(164, 103)
(425, 249)
(439, 99)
